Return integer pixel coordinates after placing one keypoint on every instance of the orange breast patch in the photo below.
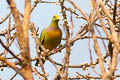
(54, 33)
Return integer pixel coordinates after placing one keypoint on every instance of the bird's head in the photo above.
(56, 18)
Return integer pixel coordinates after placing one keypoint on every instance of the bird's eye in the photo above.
(54, 17)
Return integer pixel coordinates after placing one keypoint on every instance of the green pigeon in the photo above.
(51, 36)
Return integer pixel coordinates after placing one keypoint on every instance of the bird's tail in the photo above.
(38, 63)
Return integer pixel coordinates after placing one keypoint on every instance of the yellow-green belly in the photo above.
(52, 39)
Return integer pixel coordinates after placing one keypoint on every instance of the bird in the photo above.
(51, 36)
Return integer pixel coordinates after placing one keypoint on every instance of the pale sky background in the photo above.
(41, 17)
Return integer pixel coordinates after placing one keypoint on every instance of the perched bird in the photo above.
(51, 36)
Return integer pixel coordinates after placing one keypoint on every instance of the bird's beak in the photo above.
(57, 16)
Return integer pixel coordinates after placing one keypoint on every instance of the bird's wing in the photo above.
(42, 36)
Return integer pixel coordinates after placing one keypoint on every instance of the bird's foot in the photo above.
(55, 49)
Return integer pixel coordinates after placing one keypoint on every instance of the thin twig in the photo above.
(3, 20)
(9, 51)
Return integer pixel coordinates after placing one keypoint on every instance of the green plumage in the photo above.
(51, 36)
